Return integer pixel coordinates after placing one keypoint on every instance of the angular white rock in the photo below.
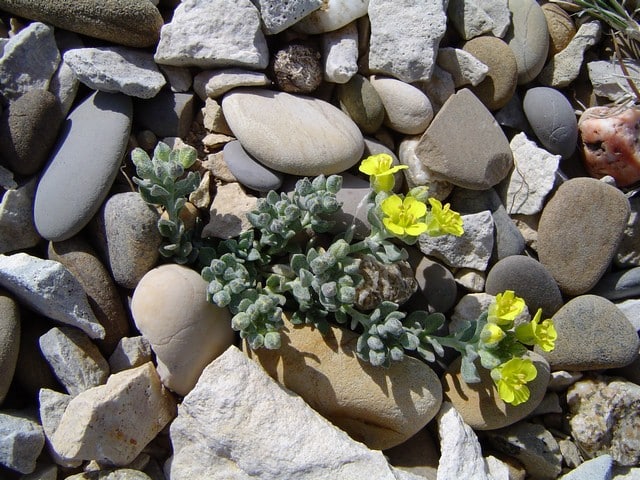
(17, 230)
(64, 85)
(472, 18)
(113, 423)
(469, 308)
(278, 15)
(340, 53)
(333, 15)
(21, 441)
(609, 81)
(532, 178)
(239, 423)
(52, 406)
(213, 33)
(116, 69)
(404, 41)
(213, 83)
(463, 67)
(50, 289)
(130, 352)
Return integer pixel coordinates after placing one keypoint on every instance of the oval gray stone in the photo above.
(361, 102)
(9, 341)
(83, 166)
(248, 171)
(619, 285)
(293, 134)
(579, 232)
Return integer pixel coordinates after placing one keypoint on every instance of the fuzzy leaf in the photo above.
(469, 371)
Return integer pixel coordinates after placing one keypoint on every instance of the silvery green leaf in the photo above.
(159, 192)
(437, 348)
(409, 341)
(426, 354)
(334, 183)
(469, 371)
(187, 156)
(142, 162)
(255, 340)
(396, 354)
(240, 321)
(377, 359)
(147, 197)
(272, 341)
(166, 227)
(162, 152)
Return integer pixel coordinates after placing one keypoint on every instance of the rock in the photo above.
(116, 69)
(474, 18)
(179, 78)
(43, 472)
(551, 116)
(631, 309)
(610, 81)
(461, 452)
(278, 16)
(533, 177)
(170, 308)
(340, 54)
(52, 406)
(112, 474)
(126, 22)
(352, 195)
(565, 66)
(249, 172)
(528, 37)
(462, 65)
(560, 25)
(418, 174)
(214, 120)
(418, 455)
(470, 279)
(83, 262)
(214, 83)
(593, 334)
(22, 441)
(628, 254)
(378, 407)
(599, 468)
(619, 285)
(131, 352)
(468, 309)
(578, 252)
(471, 250)
(28, 129)
(6, 179)
(436, 283)
(439, 87)
(17, 231)
(9, 341)
(84, 165)
(320, 137)
(532, 445)
(479, 404)
(28, 61)
(603, 418)
(113, 423)
(561, 380)
(50, 289)
(333, 15)
(407, 109)
(128, 237)
(361, 101)
(296, 67)
(383, 282)
(404, 41)
(64, 85)
(211, 34)
(571, 455)
(499, 84)
(608, 143)
(458, 159)
(224, 435)
(228, 213)
(529, 279)
(168, 114)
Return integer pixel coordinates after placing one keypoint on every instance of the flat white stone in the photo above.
(340, 54)
(213, 83)
(333, 15)
(608, 79)
(52, 406)
(463, 67)
(278, 15)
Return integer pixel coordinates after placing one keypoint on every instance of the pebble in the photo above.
(603, 418)
(407, 109)
(609, 81)
(111, 474)
(278, 16)
(578, 252)
(28, 61)
(462, 65)
(333, 15)
(125, 22)
(168, 114)
(50, 289)
(560, 25)
(382, 282)
(528, 37)
(321, 138)
(619, 285)
(179, 78)
(224, 435)
(213, 119)
(418, 174)
(83, 263)
(361, 101)
(86, 161)
(435, 281)
(608, 143)
(113, 423)
(131, 352)
(228, 212)
(500, 81)
(418, 455)
(214, 83)
(354, 190)
(593, 334)
(439, 87)
(479, 404)
(599, 468)
(571, 455)
(249, 172)
(565, 66)
(51, 407)
(404, 41)
(380, 408)
(297, 68)
(75, 360)
(170, 308)
(470, 279)
(64, 85)
(28, 129)
(340, 54)
(116, 69)
(458, 159)
(127, 237)
(562, 379)
(9, 341)
(529, 279)
(474, 18)
(17, 230)
(22, 441)
(208, 34)
(631, 309)
(628, 254)
(533, 177)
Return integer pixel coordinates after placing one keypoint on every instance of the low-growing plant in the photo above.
(288, 261)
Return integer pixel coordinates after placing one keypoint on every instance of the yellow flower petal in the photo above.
(414, 208)
(391, 205)
(393, 227)
(416, 229)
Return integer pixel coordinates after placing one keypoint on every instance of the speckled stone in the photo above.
(297, 68)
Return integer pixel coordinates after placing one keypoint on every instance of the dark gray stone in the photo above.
(168, 114)
(248, 171)
(9, 341)
(619, 285)
(436, 283)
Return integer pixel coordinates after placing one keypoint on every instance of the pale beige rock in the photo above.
(379, 407)
(113, 423)
(170, 308)
(228, 212)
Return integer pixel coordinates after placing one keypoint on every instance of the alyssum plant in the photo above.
(288, 262)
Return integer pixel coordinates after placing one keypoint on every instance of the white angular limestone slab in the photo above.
(278, 15)
(472, 18)
(17, 231)
(333, 14)
(213, 83)
(340, 53)
(609, 81)
(463, 67)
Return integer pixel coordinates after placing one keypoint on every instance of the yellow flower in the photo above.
(505, 308)
(442, 220)
(380, 170)
(404, 217)
(491, 335)
(535, 333)
(511, 378)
